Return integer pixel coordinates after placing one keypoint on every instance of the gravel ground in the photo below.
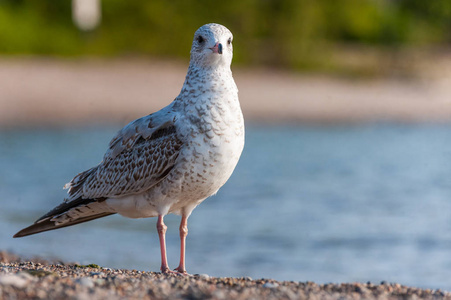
(40, 279)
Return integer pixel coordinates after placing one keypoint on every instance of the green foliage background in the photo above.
(299, 34)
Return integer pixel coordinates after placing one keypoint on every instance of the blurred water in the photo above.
(324, 204)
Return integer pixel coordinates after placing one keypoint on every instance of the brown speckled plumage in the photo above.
(139, 166)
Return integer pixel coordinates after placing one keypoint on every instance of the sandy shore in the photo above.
(37, 91)
(40, 279)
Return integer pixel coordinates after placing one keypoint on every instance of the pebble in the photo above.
(204, 276)
(26, 276)
(13, 280)
(271, 285)
(85, 281)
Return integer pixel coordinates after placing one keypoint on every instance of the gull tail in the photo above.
(67, 214)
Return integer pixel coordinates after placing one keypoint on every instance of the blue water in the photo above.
(306, 203)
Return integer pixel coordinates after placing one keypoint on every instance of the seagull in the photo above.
(169, 161)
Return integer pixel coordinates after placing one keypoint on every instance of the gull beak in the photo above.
(217, 48)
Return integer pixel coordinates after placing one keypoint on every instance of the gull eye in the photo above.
(200, 39)
(229, 41)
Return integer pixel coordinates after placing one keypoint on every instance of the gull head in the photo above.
(212, 47)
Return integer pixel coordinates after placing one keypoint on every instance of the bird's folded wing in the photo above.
(139, 156)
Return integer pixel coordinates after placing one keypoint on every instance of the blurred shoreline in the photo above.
(62, 92)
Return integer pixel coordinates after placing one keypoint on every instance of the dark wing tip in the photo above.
(35, 228)
(46, 225)
(19, 234)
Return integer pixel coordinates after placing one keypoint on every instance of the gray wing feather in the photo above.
(144, 127)
(139, 156)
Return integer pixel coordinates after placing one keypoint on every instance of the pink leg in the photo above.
(161, 227)
(183, 233)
